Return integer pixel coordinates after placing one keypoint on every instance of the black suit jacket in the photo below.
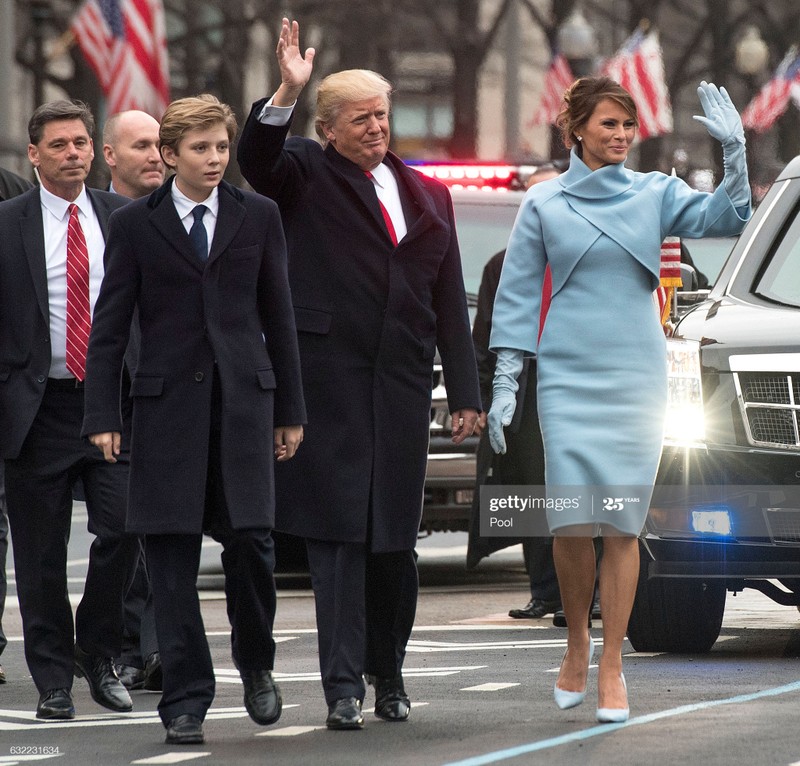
(229, 317)
(369, 318)
(24, 311)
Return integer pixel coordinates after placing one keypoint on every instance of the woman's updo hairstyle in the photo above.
(582, 98)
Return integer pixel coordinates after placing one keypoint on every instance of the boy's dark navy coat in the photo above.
(233, 312)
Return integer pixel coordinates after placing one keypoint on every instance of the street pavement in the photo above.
(480, 682)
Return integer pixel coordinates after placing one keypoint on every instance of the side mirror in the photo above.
(688, 277)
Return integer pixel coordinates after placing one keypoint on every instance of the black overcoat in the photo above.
(25, 352)
(369, 319)
(233, 312)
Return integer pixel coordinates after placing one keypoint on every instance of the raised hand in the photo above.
(721, 118)
(295, 67)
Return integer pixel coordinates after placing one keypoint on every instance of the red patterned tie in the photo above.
(79, 318)
(386, 217)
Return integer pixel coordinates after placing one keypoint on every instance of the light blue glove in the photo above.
(504, 395)
(724, 123)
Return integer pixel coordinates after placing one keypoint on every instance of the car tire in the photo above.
(682, 616)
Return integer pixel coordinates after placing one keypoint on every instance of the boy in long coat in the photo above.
(217, 397)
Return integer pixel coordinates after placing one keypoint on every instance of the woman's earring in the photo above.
(580, 138)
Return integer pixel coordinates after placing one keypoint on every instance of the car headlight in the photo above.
(684, 420)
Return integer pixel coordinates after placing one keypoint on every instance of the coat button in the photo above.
(198, 376)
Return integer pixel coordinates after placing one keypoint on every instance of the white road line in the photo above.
(231, 676)
(495, 687)
(110, 719)
(289, 731)
(594, 731)
(172, 758)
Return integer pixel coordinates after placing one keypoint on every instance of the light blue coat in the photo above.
(559, 220)
(602, 382)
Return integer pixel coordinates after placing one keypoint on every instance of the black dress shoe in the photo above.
(185, 730)
(391, 700)
(560, 619)
(55, 705)
(130, 676)
(106, 689)
(262, 697)
(153, 675)
(537, 607)
(345, 714)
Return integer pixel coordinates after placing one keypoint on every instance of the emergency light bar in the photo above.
(476, 175)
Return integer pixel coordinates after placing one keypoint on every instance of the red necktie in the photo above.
(79, 318)
(386, 217)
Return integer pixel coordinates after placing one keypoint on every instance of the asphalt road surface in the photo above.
(480, 683)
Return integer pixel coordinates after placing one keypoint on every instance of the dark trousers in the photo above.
(173, 562)
(139, 627)
(3, 555)
(538, 552)
(365, 607)
(39, 496)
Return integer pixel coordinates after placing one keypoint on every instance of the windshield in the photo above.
(780, 280)
(708, 256)
(484, 221)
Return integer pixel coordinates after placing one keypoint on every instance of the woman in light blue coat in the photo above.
(601, 357)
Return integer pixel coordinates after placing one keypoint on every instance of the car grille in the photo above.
(783, 525)
(770, 403)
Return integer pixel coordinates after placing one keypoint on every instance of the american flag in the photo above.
(771, 101)
(638, 66)
(558, 78)
(124, 41)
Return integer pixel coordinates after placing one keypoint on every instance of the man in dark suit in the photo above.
(376, 284)
(11, 185)
(216, 394)
(51, 266)
(130, 149)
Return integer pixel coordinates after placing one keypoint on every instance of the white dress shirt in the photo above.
(55, 220)
(184, 206)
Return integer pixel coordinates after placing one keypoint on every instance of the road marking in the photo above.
(425, 647)
(606, 728)
(172, 758)
(289, 731)
(21, 720)
(231, 676)
(495, 687)
(13, 760)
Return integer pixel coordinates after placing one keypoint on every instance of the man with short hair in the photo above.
(130, 149)
(377, 285)
(52, 241)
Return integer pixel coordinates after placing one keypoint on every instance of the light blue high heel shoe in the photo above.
(614, 714)
(565, 699)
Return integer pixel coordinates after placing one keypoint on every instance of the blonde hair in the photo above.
(193, 113)
(344, 87)
(582, 98)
